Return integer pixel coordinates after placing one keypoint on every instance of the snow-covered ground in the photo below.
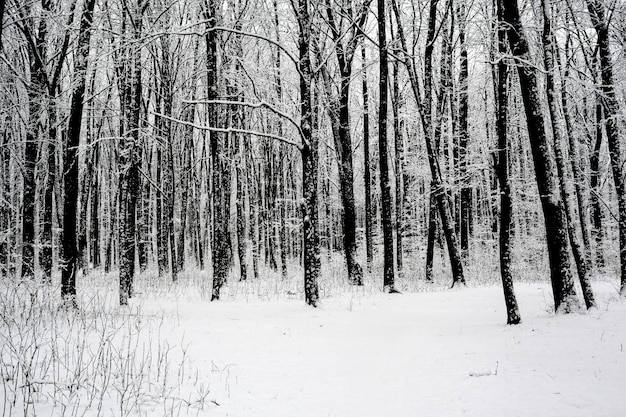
(445, 353)
(362, 353)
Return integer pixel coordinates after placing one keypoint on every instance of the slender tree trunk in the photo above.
(161, 227)
(575, 157)
(70, 163)
(437, 188)
(398, 127)
(369, 220)
(565, 299)
(385, 186)
(36, 98)
(466, 190)
(597, 231)
(94, 230)
(45, 259)
(583, 262)
(612, 108)
(5, 206)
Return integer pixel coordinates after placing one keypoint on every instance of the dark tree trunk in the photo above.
(466, 190)
(144, 226)
(36, 97)
(70, 163)
(345, 43)
(437, 187)
(583, 262)
(220, 184)
(130, 158)
(161, 226)
(310, 160)
(45, 260)
(369, 220)
(502, 168)
(565, 299)
(432, 235)
(575, 157)
(612, 108)
(94, 231)
(385, 187)
(597, 231)
(398, 127)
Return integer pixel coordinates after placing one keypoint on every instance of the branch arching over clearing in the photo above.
(231, 130)
(260, 105)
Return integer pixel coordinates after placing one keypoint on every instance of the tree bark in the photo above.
(369, 220)
(385, 186)
(466, 189)
(310, 160)
(565, 298)
(612, 108)
(70, 163)
(502, 168)
(130, 157)
(583, 262)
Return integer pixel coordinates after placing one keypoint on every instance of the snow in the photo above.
(430, 354)
(365, 353)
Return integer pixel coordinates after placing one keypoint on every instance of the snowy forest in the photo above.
(175, 173)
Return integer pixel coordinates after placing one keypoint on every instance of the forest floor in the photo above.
(362, 353)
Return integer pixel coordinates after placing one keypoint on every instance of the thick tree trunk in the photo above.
(565, 299)
(70, 163)
(612, 108)
(130, 158)
(220, 184)
(583, 262)
(502, 168)
(310, 162)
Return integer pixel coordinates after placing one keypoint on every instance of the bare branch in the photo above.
(231, 130)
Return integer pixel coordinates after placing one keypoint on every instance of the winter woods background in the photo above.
(249, 150)
(238, 137)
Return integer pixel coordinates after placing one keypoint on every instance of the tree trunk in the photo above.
(398, 127)
(70, 163)
(597, 231)
(565, 299)
(310, 160)
(36, 98)
(369, 220)
(575, 157)
(45, 259)
(385, 187)
(437, 187)
(130, 158)
(466, 189)
(220, 184)
(583, 262)
(612, 108)
(502, 168)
